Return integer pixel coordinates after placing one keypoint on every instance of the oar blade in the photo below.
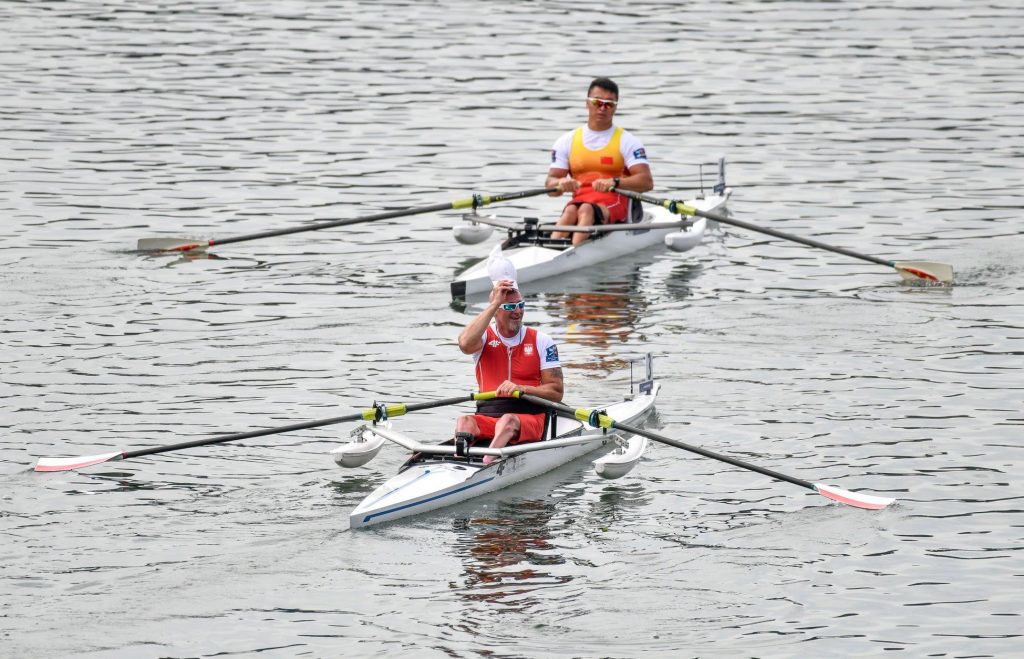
(866, 501)
(931, 271)
(67, 464)
(169, 244)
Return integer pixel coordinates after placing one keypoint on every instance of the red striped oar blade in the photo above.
(925, 270)
(171, 244)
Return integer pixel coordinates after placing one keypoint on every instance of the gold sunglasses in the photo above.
(602, 103)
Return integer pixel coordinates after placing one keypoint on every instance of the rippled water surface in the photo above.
(894, 132)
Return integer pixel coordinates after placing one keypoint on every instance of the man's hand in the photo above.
(507, 389)
(567, 184)
(502, 291)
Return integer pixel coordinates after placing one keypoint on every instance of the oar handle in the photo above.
(680, 208)
(470, 202)
(599, 420)
(481, 200)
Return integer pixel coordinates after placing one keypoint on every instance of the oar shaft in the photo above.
(333, 223)
(600, 419)
(365, 415)
(241, 435)
(470, 202)
(711, 454)
(573, 413)
(680, 207)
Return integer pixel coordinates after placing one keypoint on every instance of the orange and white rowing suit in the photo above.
(590, 155)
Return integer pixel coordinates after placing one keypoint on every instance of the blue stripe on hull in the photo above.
(420, 503)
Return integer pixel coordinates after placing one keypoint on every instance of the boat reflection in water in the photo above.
(598, 320)
(513, 551)
(512, 558)
(506, 555)
(602, 321)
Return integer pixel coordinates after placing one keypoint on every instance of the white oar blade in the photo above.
(932, 271)
(868, 501)
(67, 464)
(167, 244)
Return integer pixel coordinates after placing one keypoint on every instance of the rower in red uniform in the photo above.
(509, 357)
(592, 160)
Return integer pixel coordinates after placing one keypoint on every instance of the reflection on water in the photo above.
(596, 320)
(604, 321)
(615, 502)
(504, 555)
(679, 284)
(181, 258)
(352, 486)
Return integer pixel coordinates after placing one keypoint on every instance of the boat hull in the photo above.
(429, 486)
(535, 262)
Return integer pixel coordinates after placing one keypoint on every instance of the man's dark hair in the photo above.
(605, 84)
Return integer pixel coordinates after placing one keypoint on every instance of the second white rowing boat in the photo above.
(535, 255)
(440, 475)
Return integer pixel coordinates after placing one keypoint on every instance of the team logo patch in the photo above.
(494, 343)
(640, 153)
(607, 160)
(552, 354)
(528, 349)
(552, 155)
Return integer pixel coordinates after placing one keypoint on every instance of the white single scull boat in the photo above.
(536, 255)
(441, 475)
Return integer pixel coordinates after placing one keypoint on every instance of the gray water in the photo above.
(895, 132)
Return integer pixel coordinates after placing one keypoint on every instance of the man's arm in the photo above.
(550, 386)
(638, 180)
(558, 174)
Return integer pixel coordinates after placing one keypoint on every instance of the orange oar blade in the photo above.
(170, 244)
(931, 271)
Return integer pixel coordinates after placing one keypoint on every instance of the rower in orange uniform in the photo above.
(592, 160)
(509, 357)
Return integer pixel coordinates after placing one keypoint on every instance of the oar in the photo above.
(370, 414)
(908, 270)
(600, 420)
(186, 244)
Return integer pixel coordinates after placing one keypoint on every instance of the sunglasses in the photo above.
(602, 103)
(512, 306)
